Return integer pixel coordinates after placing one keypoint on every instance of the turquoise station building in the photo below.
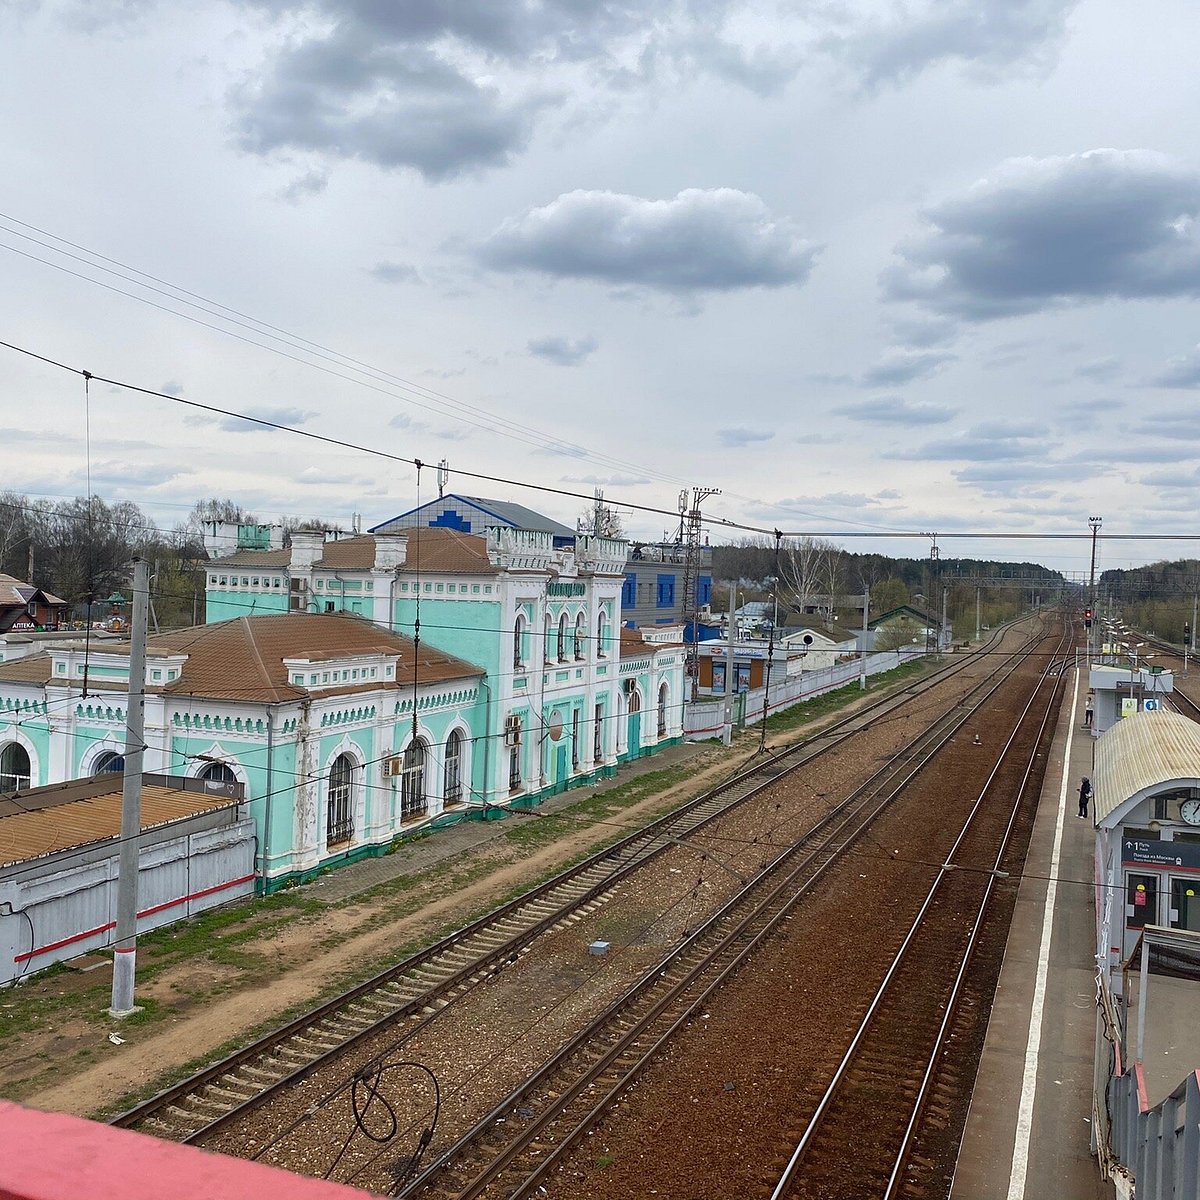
(363, 688)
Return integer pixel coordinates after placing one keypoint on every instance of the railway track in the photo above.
(415, 990)
(870, 1113)
(515, 1146)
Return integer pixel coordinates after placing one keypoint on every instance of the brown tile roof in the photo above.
(250, 558)
(446, 551)
(25, 835)
(242, 659)
(348, 554)
(438, 551)
(17, 591)
(33, 668)
(633, 644)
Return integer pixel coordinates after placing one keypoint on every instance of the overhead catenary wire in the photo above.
(377, 379)
(711, 521)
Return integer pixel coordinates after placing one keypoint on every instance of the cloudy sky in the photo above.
(864, 266)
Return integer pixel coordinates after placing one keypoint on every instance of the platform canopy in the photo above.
(1143, 754)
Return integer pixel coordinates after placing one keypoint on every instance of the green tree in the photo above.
(888, 594)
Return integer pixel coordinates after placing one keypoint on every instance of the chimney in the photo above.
(307, 547)
(391, 549)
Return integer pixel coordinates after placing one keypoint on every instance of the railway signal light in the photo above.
(1087, 617)
(1187, 633)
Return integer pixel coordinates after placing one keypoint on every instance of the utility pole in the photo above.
(862, 658)
(978, 614)
(762, 741)
(730, 635)
(125, 946)
(689, 535)
(1095, 523)
(945, 612)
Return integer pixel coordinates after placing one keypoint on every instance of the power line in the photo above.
(717, 522)
(464, 411)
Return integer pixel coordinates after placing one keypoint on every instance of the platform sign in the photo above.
(1149, 706)
(1128, 706)
(1180, 856)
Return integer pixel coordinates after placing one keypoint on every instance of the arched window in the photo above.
(635, 699)
(601, 631)
(339, 825)
(452, 793)
(518, 637)
(662, 710)
(15, 771)
(580, 633)
(562, 637)
(218, 772)
(412, 782)
(109, 763)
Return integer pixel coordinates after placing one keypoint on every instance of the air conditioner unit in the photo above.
(512, 730)
(393, 764)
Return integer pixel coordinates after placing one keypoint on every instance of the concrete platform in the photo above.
(1029, 1125)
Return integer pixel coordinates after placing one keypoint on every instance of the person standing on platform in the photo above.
(1085, 794)
(1088, 711)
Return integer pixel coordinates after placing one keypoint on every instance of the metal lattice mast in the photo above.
(689, 529)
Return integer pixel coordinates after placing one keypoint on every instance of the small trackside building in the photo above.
(60, 853)
(1146, 784)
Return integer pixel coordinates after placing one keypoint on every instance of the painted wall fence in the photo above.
(63, 905)
(705, 718)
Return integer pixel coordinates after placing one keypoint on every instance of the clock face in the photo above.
(1189, 810)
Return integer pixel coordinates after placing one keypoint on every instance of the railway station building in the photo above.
(307, 688)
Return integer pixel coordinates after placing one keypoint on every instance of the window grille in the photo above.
(453, 789)
(412, 783)
(339, 825)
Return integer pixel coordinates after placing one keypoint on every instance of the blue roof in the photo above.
(505, 512)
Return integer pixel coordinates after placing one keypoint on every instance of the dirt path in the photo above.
(152, 1051)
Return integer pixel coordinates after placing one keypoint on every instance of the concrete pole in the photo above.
(730, 698)
(125, 946)
(862, 658)
(978, 614)
(1095, 523)
(945, 611)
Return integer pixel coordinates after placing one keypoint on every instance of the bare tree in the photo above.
(806, 565)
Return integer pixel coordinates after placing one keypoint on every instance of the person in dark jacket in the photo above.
(1085, 794)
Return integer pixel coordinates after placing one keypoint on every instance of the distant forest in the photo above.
(1160, 598)
(812, 568)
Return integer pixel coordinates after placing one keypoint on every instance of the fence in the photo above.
(1159, 1145)
(707, 717)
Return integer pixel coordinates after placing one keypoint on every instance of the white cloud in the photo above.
(701, 241)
